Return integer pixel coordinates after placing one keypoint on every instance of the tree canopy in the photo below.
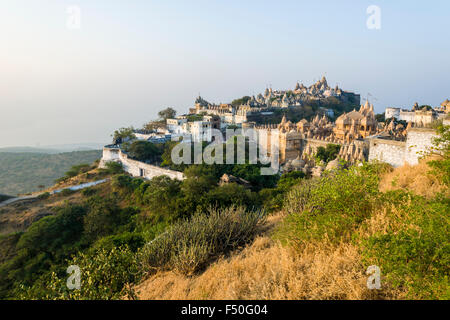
(167, 113)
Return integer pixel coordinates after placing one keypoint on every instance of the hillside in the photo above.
(331, 267)
(4, 197)
(23, 172)
(304, 238)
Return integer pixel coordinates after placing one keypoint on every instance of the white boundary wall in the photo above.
(396, 153)
(136, 168)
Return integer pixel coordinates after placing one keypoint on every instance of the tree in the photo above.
(163, 115)
(167, 113)
(231, 194)
(241, 101)
(160, 195)
(380, 117)
(124, 134)
(154, 125)
(329, 153)
(102, 219)
(144, 151)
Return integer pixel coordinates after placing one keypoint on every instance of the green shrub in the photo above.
(112, 167)
(231, 194)
(144, 151)
(43, 196)
(273, 198)
(46, 244)
(105, 275)
(160, 196)
(4, 197)
(88, 192)
(105, 217)
(330, 152)
(66, 192)
(441, 145)
(188, 246)
(132, 240)
(331, 207)
(415, 250)
(296, 200)
(125, 184)
(74, 171)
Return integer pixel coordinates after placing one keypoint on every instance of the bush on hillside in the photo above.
(74, 171)
(329, 153)
(66, 192)
(413, 246)
(273, 198)
(441, 167)
(88, 192)
(333, 206)
(188, 246)
(133, 240)
(44, 245)
(105, 275)
(125, 184)
(43, 196)
(231, 194)
(105, 217)
(112, 167)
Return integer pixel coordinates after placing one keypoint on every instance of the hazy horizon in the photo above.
(128, 60)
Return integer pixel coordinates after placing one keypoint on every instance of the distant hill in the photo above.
(4, 197)
(54, 149)
(29, 150)
(23, 172)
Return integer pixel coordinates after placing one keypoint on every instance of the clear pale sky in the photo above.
(132, 58)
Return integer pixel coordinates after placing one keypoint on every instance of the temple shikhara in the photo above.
(298, 142)
(356, 124)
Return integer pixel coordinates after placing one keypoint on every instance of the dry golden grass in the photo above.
(267, 270)
(413, 178)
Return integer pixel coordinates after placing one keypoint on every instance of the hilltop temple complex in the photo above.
(357, 134)
(270, 99)
(301, 140)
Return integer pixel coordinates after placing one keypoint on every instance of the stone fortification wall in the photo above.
(418, 142)
(136, 168)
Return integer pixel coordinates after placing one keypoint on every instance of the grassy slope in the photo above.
(268, 270)
(17, 217)
(24, 172)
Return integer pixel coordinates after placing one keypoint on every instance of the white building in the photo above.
(196, 131)
(175, 126)
(153, 137)
(418, 117)
(200, 131)
(392, 113)
(408, 116)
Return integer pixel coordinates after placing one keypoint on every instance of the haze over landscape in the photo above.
(130, 59)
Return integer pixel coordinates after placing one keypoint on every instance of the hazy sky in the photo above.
(132, 58)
